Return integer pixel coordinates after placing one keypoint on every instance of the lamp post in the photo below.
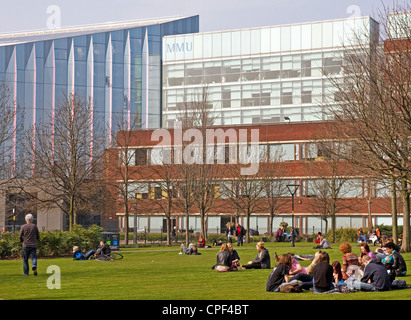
(293, 190)
(135, 223)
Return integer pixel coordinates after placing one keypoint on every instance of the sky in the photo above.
(28, 15)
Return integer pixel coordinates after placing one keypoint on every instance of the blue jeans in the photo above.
(239, 240)
(358, 285)
(321, 291)
(29, 252)
(306, 280)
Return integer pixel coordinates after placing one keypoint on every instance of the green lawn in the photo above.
(162, 274)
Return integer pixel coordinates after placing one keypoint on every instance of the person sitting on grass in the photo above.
(280, 274)
(323, 274)
(307, 278)
(223, 259)
(191, 250)
(365, 250)
(234, 257)
(296, 267)
(337, 274)
(349, 258)
(201, 241)
(375, 277)
(395, 259)
(323, 243)
(262, 261)
(77, 254)
(104, 251)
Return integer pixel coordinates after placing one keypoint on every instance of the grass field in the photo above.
(161, 274)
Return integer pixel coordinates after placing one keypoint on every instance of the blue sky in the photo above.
(24, 15)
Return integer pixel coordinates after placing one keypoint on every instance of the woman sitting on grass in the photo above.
(323, 274)
(307, 278)
(349, 258)
(262, 261)
(280, 274)
(223, 259)
(296, 266)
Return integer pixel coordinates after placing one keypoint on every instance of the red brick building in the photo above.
(291, 153)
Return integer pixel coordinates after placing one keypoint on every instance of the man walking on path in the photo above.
(29, 234)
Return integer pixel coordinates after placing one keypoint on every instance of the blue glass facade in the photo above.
(117, 66)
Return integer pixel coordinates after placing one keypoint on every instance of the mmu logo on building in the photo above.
(180, 47)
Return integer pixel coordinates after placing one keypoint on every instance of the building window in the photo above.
(287, 96)
(282, 152)
(137, 190)
(141, 157)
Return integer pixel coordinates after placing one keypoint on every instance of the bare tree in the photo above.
(65, 158)
(124, 168)
(197, 118)
(274, 187)
(335, 181)
(10, 123)
(245, 193)
(165, 190)
(375, 103)
(185, 184)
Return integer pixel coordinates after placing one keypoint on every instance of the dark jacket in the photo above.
(399, 264)
(29, 234)
(377, 273)
(223, 258)
(241, 232)
(264, 258)
(234, 256)
(323, 276)
(78, 255)
(276, 277)
(231, 230)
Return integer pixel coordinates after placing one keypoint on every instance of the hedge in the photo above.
(53, 243)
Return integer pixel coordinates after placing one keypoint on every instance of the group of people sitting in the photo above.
(373, 236)
(228, 259)
(281, 235)
(371, 271)
(103, 251)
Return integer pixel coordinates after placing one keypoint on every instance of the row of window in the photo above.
(230, 153)
(347, 188)
(264, 94)
(253, 69)
(259, 115)
(286, 38)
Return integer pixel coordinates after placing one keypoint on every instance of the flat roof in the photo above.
(278, 26)
(50, 34)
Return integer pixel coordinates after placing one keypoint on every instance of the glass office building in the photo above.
(261, 75)
(117, 66)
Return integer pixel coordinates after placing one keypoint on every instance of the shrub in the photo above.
(53, 243)
(85, 239)
(347, 234)
(5, 248)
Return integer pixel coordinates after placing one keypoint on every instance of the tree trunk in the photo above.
(394, 211)
(406, 216)
(247, 235)
(187, 226)
(333, 222)
(72, 216)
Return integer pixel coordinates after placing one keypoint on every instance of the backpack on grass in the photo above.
(291, 288)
